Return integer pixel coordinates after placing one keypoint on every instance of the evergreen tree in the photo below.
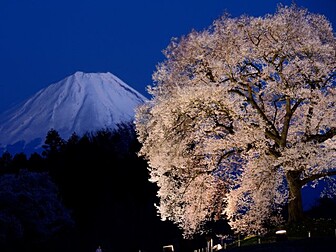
(53, 143)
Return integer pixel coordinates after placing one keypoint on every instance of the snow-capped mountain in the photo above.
(82, 102)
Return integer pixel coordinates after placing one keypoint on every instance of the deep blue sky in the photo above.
(44, 41)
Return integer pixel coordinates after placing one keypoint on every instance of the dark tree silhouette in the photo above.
(20, 161)
(53, 143)
(31, 212)
(5, 162)
(36, 162)
(104, 184)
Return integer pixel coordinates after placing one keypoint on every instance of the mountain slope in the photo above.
(79, 103)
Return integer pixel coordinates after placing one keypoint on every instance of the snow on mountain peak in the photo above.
(80, 103)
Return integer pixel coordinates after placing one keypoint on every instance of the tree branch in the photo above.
(273, 133)
(319, 138)
(317, 176)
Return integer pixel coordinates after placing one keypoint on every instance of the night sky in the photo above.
(44, 41)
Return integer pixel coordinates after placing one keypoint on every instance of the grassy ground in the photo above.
(314, 235)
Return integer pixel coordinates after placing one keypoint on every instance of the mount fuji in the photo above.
(80, 103)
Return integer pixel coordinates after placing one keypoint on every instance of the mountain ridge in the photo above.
(80, 103)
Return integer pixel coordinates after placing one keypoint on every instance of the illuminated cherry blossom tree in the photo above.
(242, 117)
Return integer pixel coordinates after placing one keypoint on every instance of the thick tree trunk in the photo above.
(295, 209)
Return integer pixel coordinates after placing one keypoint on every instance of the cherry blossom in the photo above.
(242, 117)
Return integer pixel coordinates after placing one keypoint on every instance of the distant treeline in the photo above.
(79, 194)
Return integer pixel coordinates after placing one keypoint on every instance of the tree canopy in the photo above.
(242, 116)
